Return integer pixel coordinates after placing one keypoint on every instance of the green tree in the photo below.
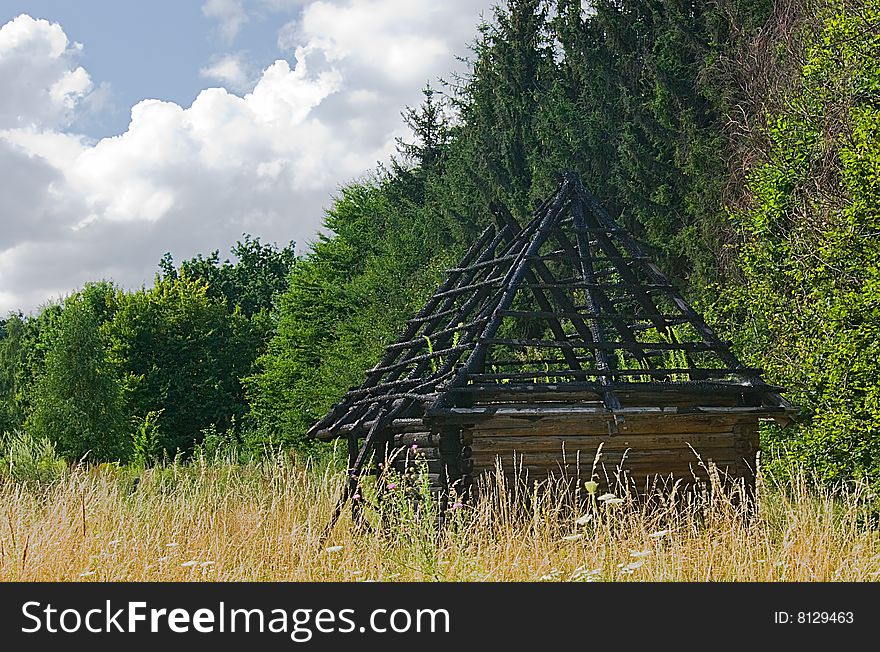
(346, 299)
(430, 126)
(251, 283)
(13, 377)
(181, 353)
(76, 400)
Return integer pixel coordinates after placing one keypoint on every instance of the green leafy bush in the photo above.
(25, 458)
(810, 257)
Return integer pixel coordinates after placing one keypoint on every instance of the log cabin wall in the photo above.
(676, 447)
(638, 449)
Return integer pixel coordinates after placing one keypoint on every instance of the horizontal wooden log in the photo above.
(605, 316)
(488, 263)
(494, 392)
(694, 373)
(403, 362)
(421, 439)
(573, 426)
(397, 426)
(422, 342)
(454, 292)
(731, 468)
(636, 347)
(434, 316)
(408, 454)
(479, 414)
(601, 473)
(647, 287)
(636, 486)
(589, 444)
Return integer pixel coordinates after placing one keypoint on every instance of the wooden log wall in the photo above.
(673, 447)
(642, 451)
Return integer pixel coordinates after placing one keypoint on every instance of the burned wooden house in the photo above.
(548, 340)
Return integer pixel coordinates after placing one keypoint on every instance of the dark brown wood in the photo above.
(603, 346)
(454, 387)
(655, 373)
(596, 315)
(518, 416)
(646, 393)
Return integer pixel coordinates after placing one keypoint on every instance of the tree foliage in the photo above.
(738, 139)
(810, 255)
(76, 400)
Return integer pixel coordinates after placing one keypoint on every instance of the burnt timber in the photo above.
(544, 342)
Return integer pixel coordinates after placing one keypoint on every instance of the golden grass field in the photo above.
(201, 521)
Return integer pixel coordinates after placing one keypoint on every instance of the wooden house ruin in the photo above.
(546, 341)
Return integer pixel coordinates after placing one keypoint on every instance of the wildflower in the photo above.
(633, 566)
(414, 448)
(392, 485)
(583, 520)
(591, 486)
(457, 506)
(659, 534)
(585, 574)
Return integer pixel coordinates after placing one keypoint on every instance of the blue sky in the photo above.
(128, 129)
(152, 49)
(142, 49)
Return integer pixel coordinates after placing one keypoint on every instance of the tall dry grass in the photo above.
(218, 521)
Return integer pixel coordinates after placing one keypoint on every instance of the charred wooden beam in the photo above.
(701, 374)
(606, 346)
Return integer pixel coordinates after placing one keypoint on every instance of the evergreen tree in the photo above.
(430, 126)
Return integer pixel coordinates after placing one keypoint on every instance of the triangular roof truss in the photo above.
(569, 300)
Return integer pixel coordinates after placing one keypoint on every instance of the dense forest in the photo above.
(738, 139)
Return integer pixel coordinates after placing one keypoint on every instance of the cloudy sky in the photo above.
(128, 129)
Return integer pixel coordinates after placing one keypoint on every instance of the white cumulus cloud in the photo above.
(41, 84)
(190, 179)
(229, 70)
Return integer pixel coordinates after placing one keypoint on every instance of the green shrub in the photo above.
(146, 439)
(26, 458)
(809, 310)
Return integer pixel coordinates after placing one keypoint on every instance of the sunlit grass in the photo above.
(202, 521)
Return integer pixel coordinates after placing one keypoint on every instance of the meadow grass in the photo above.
(223, 521)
